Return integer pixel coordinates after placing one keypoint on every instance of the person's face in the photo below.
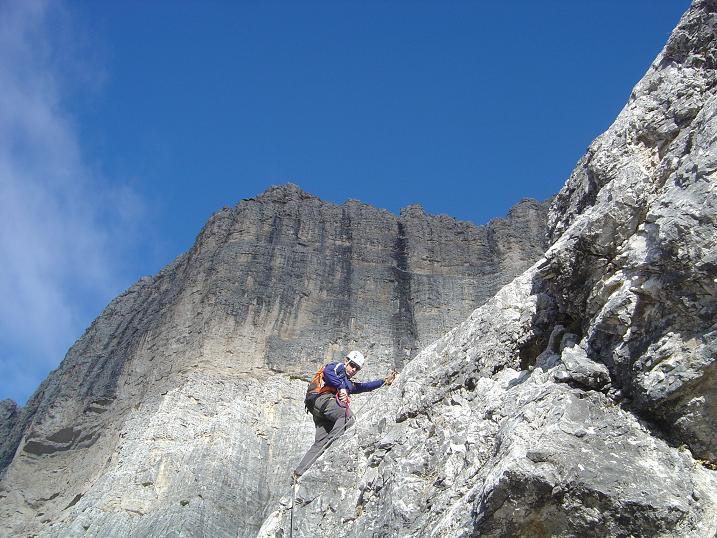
(351, 369)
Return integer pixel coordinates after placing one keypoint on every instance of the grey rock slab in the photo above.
(578, 368)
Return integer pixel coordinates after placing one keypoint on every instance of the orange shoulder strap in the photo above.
(317, 385)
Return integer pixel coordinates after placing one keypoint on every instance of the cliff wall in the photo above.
(180, 409)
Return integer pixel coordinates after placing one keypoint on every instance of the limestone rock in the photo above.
(497, 451)
(578, 400)
(578, 368)
(180, 409)
(635, 270)
(8, 419)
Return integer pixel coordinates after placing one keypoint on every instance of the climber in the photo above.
(327, 399)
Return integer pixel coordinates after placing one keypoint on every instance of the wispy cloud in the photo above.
(63, 228)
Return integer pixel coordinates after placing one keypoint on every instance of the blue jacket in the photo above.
(335, 376)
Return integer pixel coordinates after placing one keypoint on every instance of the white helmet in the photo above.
(356, 357)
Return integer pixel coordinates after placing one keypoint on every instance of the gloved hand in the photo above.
(390, 377)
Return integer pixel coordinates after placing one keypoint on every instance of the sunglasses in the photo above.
(354, 365)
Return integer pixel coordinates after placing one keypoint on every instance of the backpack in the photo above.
(315, 389)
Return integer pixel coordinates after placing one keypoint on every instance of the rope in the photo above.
(341, 404)
(326, 446)
(293, 502)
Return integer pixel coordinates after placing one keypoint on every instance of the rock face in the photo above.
(179, 411)
(582, 399)
(579, 400)
(8, 419)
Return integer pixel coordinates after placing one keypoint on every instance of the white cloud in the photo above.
(63, 229)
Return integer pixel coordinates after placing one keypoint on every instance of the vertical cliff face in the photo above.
(645, 245)
(181, 409)
(581, 400)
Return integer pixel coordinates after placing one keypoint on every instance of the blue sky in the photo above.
(125, 125)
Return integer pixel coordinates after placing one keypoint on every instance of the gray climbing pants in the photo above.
(331, 421)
